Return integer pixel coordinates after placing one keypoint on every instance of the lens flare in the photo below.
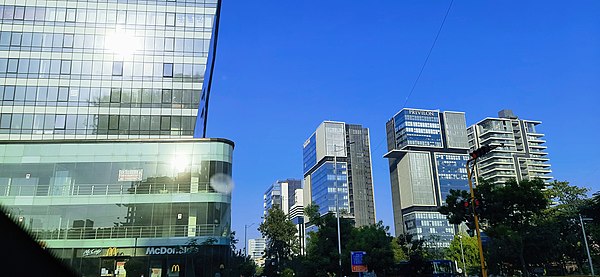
(222, 183)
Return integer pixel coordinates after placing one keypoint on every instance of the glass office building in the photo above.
(337, 171)
(86, 198)
(102, 69)
(428, 151)
(98, 105)
(281, 194)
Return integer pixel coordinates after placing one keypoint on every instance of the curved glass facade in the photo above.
(128, 189)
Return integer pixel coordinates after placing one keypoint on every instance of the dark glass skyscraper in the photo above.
(427, 157)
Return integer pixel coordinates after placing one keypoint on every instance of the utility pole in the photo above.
(462, 253)
(587, 247)
(474, 155)
(337, 207)
(245, 240)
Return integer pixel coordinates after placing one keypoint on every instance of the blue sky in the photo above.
(285, 66)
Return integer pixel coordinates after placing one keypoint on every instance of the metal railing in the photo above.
(129, 232)
(99, 189)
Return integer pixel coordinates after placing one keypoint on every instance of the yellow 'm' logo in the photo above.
(175, 268)
(112, 251)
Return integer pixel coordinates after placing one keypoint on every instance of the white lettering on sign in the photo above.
(417, 112)
(91, 252)
(130, 175)
(165, 250)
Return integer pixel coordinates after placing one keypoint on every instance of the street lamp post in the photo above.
(462, 253)
(587, 248)
(337, 207)
(246, 241)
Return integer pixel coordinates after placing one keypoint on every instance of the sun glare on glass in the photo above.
(122, 42)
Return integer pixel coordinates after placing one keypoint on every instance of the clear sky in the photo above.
(285, 66)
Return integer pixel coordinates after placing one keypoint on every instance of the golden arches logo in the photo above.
(175, 268)
(112, 251)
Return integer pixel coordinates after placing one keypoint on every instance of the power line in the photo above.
(428, 54)
(423, 66)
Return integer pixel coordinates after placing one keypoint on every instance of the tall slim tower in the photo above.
(427, 157)
(288, 196)
(342, 150)
(523, 155)
(98, 103)
(281, 194)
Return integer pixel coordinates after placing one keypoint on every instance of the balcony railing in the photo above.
(99, 189)
(129, 232)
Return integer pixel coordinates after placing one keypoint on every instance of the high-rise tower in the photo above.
(341, 150)
(427, 157)
(287, 195)
(113, 70)
(523, 154)
(98, 103)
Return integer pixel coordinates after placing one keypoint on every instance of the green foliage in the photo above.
(238, 264)
(376, 241)
(399, 254)
(454, 208)
(471, 253)
(528, 222)
(243, 266)
(322, 245)
(282, 241)
(411, 247)
(513, 204)
(417, 254)
(557, 232)
(287, 272)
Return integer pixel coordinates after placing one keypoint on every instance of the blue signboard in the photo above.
(485, 240)
(357, 261)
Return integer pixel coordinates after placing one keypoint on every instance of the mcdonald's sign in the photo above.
(175, 268)
(112, 251)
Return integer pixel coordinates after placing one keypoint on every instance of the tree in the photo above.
(399, 254)
(558, 232)
(455, 210)
(507, 214)
(280, 232)
(470, 249)
(376, 241)
(416, 252)
(322, 245)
